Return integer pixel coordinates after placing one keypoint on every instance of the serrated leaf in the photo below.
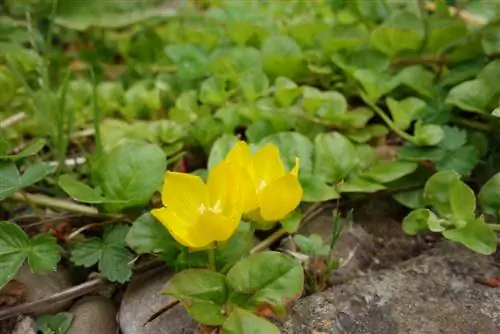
(453, 138)
(114, 263)
(44, 253)
(387, 171)
(475, 235)
(244, 322)
(462, 160)
(14, 246)
(54, 323)
(202, 293)
(268, 278)
(87, 253)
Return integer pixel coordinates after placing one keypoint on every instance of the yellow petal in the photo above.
(295, 169)
(177, 227)
(240, 154)
(223, 189)
(267, 165)
(280, 198)
(216, 227)
(183, 193)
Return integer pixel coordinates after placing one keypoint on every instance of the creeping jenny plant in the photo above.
(204, 216)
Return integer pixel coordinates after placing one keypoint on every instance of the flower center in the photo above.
(215, 209)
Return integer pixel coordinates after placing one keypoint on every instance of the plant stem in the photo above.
(212, 265)
(494, 227)
(386, 119)
(55, 203)
(32, 205)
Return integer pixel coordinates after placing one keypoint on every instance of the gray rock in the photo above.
(95, 314)
(26, 326)
(39, 286)
(433, 293)
(143, 298)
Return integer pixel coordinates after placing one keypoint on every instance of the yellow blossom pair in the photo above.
(198, 214)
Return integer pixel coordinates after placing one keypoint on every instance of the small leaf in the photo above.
(87, 253)
(14, 246)
(360, 185)
(148, 236)
(454, 138)
(292, 222)
(489, 196)
(374, 84)
(244, 322)
(421, 220)
(474, 95)
(475, 235)
(202, 293)
(9, 179)
(79, 191)
(54, 323)
(267, 278)
(462, 160)
(253, 85)
(286, 92)
(312, 245)
(44, 253)
(462, 201)
(35, 173)
(417, 78)
(334, 156)
(316, 189)
(293, 145)
(387, 171)
(427, 135)
(437, 191)
(32, 149)
(214, 91)
(411, 199)
(404, 111)
(220, 149)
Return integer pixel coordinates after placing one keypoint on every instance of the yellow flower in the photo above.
(269, 193)
(198, 214)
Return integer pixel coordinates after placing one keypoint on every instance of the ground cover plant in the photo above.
(184, 132)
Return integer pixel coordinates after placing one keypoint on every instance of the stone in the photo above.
(435, 292)
(39, 286)
(26, 326)
(94, 314)
(143, 298)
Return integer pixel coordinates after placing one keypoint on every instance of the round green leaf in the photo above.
(437, 191)
(474, 95)
(387, 171)
(244, 322)
(267, 278)
(421, 220)
(489, 196)
(293, 145)
(334, 156)
(202, 293)
(462, 201)
(475, 235)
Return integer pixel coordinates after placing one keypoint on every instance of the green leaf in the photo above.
(475, 235)
(491, 40)
(404, 111)
(421, 220)
(411, 199)
(286, 92)
(374, 84)
(214, 91)
(35, 173)
(462, 160)
(148, 236)
(110, 253)
(292, 145)
(80, 191)
(292, 222)
(32, 149)
(401, 32)
(474, 95)
(244, 322)
(14, 246)
(54, 323)
(418, 78)
(312, 245)
(253, 85)
(9, 179)
(427, 135)
(412, 152)
(44, 253)
(237, 247)
(267, 278)
(130, 172)
(489, 196)
(387, 171)
(282, 56)
(313, 99)
(462, 201)
(437, 191)
(360, 185)
(220, 149)
(454, 138)
(316, 189)
(202, 293)
(334, 156)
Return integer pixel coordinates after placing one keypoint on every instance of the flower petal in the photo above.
(240, 154)
(183, 193)
(267, 165)
(224, 190)
(177, 227)
(216, 227)
(280, 198)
